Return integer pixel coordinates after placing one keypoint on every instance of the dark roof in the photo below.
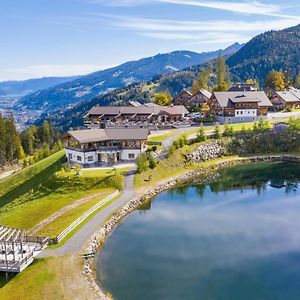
(225, 99)
(242, 87)
(141, 110)
(109, 134)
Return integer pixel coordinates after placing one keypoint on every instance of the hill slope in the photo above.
(24, 87)
(271, 50)
(92, 85)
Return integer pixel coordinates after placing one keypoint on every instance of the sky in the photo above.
(75, 37)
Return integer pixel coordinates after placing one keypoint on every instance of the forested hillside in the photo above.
(271, 50)
(31, 145)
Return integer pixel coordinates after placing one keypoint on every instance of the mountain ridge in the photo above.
(94, 84)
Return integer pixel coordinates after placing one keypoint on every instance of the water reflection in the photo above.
(237, 238)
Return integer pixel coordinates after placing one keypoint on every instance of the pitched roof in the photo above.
(206, 93)
(142, 110)
(288, 96)
(109, 134)
(226, 99)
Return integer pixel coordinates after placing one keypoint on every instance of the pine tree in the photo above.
(2, 141)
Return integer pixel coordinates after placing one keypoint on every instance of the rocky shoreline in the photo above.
(207, 174)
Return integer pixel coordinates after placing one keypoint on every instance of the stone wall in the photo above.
(207, 151)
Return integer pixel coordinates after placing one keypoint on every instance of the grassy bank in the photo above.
(174, 165)
(29, 178)
(48, 279)
(55, 192)
(54, 228)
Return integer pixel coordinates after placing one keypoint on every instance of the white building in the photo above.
(105, 146)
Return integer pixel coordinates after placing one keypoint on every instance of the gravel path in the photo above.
(79, 239)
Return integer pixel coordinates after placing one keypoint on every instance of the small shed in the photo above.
(280, 126)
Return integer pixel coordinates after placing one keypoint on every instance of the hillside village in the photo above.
(90, 153)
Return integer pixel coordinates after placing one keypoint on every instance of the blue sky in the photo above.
(68, 37)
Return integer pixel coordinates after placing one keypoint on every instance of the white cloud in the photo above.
(242, 7)
(37, 71)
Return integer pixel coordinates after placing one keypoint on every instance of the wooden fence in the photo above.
(83, 217)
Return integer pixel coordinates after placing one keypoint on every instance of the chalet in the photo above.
(105, 146)
(287, 99)
(147, 116)
(182, 98)
(239, 107)
(199, 99)
(243, 87)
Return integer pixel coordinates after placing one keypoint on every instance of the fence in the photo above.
(83, 217)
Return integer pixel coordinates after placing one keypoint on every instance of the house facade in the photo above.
(141, 116)
(190, 100)
(287, 99)
(105, 146)
(182, 98)
(239, 107)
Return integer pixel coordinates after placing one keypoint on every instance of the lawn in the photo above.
(53, 192)
(104, 172)
(172, 166)
(161, 137)
(29, 178)
(48, 279)
(54, 228)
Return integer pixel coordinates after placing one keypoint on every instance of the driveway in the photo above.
(80, 238)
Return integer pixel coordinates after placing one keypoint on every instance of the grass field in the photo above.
(46, 191)
(48, 279)
(29, 178)
(163, 136)
(54, 228)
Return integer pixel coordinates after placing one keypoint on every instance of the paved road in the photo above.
(79, 239)
(166, 143)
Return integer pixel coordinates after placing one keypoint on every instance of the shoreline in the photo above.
(97, 241)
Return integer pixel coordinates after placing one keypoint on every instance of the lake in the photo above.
(236, 238)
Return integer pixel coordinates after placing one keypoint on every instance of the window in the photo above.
(90, 158)
(78, 158)
(131, 156)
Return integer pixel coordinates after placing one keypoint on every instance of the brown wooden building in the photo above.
(239, 107)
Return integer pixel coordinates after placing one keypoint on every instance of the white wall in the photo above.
(245, 112)
(84, 156)
(124, 153)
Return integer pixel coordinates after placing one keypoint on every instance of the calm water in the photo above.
(238, 238)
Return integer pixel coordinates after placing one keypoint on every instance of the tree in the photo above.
(2, 141)
(297, 81)
(223, 76)
(201, 136)
(152, 161)
(253, 82)
(163, 98)
(142, 163)
(275, 80)
(202, 81)
(216, 134)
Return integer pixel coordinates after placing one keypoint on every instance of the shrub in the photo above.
(216, 134)
(152, 161)
(142, 163)
(201, 136)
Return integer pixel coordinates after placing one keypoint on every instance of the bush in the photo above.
(152, 161)
(216, 134)
(142, 163)
(228, 130)
(201, 136)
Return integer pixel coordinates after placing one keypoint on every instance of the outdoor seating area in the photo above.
(18, 250)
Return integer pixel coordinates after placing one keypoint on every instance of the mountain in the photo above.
(95, 84)
(271, 50)
(24, 87)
